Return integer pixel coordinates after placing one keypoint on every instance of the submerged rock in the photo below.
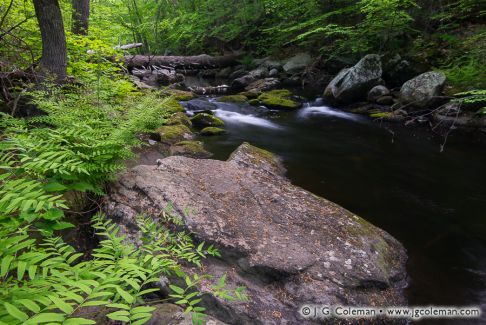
(210, 130)
(286, 245)
(352, 84)
(204, 119)
(420, 91)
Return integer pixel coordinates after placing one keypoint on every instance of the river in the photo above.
(395, 177)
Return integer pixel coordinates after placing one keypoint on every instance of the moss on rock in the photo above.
(278, 99)
(174, 133)
(179, 118)
(251, 156)
(173, 106)
(233, 99)
(193, 149)
(211, 130)
(204, 119)
(254, 102)
(179, 95)
(251, 94)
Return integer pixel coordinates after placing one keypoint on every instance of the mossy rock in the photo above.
(280, 93)
(193, 149)
(174, 133)
(179, 95)
(179, 118)
(211, 130)
(173, 106)
(251, 156)
(251, 94)
(233, 99)
(278, 99)
(204, 119)
(254, 102)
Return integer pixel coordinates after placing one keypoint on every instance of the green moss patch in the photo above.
(233, 99)
(179, 95)
(173, 106)
(174, 133)
(192, 149)
(278, 99)
(179, 118)
(204, 119)
(210, 130)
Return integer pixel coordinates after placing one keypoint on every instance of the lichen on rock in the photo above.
(275, 238)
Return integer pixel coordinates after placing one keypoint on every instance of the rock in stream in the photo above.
(288, 246)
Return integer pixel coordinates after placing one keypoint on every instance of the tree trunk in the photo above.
(80, 17)
(54, 52)
(202, 61)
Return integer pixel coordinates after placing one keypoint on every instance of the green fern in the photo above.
(50, 282)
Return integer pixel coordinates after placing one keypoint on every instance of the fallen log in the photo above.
(216, 90)
(202, 61)
(128, 46)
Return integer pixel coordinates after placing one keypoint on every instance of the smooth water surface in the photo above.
(395, 177)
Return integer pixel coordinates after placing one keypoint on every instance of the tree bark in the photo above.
(202, 61)
(54, 52)
(80, 17)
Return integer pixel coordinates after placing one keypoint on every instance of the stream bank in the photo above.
(393, 176)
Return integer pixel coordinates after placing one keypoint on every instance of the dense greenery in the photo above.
(448, 35)
(89, 126)
(50, 162)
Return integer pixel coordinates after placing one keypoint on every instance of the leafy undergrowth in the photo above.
(76, 145)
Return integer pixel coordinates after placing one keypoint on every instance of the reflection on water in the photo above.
(434, 203)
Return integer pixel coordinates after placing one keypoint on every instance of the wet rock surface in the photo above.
(286, 245)
(352, 84)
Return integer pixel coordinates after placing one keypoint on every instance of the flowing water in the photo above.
(395, 177)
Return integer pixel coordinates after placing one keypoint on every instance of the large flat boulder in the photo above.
(286, 245)
(352, 84)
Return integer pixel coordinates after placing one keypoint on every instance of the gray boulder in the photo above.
(263, 85)
(297, 63)
(353, 84)
(420, 92)
(286, 245)
(273, 73)
(377, 92)
(247, 79)
(199, 105)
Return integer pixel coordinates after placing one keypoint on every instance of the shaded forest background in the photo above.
(449, 35)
